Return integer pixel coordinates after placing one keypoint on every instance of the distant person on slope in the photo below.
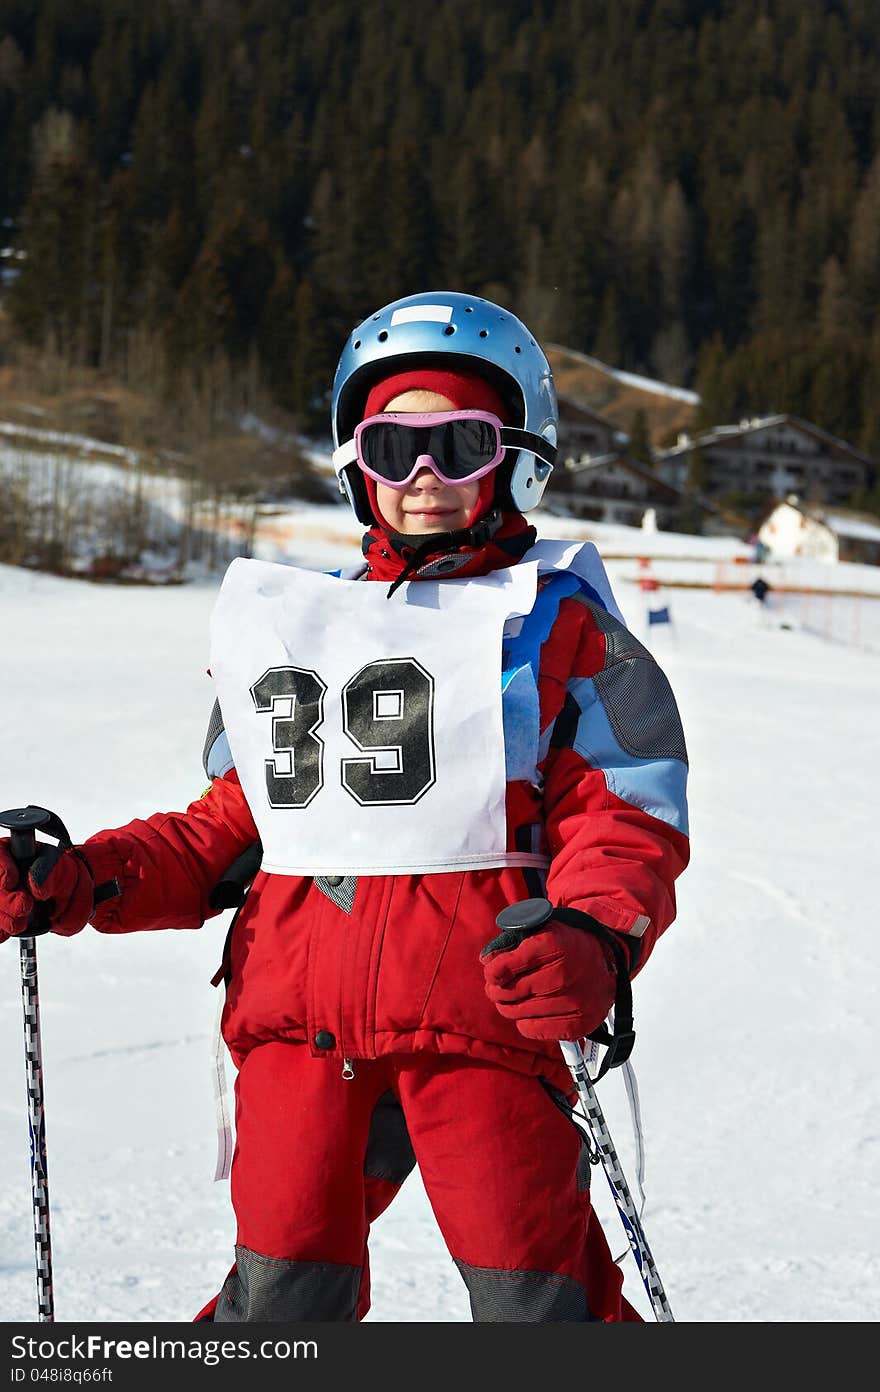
(760, 589)
(462, 724)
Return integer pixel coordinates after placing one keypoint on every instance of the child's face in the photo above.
(427, 504)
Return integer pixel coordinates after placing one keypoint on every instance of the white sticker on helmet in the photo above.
(410, 314)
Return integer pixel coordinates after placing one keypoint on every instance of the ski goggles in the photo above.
(458, 446)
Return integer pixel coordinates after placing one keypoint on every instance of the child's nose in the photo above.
(426, 471)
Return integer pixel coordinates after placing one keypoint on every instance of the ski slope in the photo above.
(756, 1017)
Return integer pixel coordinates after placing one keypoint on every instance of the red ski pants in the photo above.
(318, 1157)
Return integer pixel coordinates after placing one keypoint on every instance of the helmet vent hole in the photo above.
(517, 349)
(484, 333)
(450, 329)
(357, 343)
(383, 335)
(469, 309)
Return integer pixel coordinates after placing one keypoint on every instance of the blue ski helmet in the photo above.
(449, 330)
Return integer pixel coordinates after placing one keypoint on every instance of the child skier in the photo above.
(411, 757)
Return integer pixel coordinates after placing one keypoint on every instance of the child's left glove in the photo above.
(558, 983)
(58, 892)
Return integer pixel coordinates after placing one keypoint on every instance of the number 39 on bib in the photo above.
(387, 714)
(367, 733)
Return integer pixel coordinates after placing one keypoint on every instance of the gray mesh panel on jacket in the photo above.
(215, 728)
(636, 694)
(339, 889)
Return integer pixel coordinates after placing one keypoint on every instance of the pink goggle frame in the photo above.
(390, 450)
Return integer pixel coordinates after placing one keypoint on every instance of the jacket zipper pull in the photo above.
(347, 1069)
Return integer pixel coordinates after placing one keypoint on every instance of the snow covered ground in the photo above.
(756, 1017)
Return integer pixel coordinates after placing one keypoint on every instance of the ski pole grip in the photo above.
(518, 922)
(23, 845)
(22, 824)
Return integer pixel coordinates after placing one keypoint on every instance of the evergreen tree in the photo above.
(864, 248)
(718, 398)
(13, 140)
(869, 439)
(643, 181)
(609, 343)
(311, 360)
(50, 299)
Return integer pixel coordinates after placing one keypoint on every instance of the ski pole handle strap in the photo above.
(52, 825)
(620, 1043)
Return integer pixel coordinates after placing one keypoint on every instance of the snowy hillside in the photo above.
(756, 1017)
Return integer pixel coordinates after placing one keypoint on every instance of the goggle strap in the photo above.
(515, 438)
(344, 455)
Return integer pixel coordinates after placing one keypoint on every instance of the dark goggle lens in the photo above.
(459, 447)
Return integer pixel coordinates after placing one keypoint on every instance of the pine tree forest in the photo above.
(688, 189)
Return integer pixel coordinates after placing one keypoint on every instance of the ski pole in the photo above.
(23, 822)
(521, 920)
(620, 1190)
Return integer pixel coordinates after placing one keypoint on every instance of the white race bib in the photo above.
(367, 732)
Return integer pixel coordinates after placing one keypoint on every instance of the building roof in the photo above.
(620, 397)
(855, 527)
(632, 379)
(843, 522)
(633, 466)
(623, 461)
(569, 407)
(720, 434)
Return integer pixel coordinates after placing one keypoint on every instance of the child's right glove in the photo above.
(59, 887)
(557, 983)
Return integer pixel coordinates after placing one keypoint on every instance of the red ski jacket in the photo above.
(387, 964)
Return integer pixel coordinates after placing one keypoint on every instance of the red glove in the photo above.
(14, 905)
(558, 983)
(59, 880)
